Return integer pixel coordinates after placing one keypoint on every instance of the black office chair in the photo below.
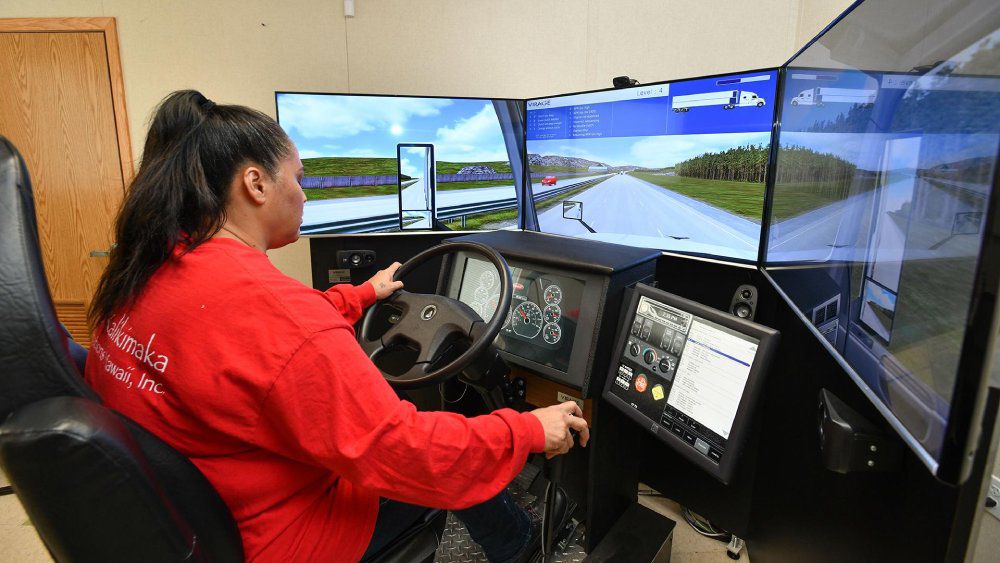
(96, 485)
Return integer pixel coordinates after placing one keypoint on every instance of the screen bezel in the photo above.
(768, 341)
(531, 222)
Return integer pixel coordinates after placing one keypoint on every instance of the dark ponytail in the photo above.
(193, 149)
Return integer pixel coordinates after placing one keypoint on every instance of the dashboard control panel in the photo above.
(565, 295)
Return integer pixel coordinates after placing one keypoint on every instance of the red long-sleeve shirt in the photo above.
(259, 381)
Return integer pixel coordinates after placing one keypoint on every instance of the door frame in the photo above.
(109, 28)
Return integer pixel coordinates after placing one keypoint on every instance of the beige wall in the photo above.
(814, 15)
(242, 51)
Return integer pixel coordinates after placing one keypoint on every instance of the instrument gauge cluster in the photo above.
(535, 314)
(541, 322)
(552, 333)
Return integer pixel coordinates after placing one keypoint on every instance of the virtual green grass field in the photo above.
(351, 166)
(391, 189)
(364, 166)
(745, 199)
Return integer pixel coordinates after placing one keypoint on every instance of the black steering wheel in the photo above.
(429, 324)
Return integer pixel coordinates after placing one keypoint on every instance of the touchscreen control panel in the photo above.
(686, 373)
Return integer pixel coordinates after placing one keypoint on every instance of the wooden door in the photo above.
(62, 106)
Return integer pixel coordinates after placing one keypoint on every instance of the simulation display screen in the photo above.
(544, 312)
(685, 374)
(677, 166)
(370, 159)
(883, 182)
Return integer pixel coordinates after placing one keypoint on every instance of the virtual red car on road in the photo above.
(549, 181)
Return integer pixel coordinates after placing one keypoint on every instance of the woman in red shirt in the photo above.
(258, 379)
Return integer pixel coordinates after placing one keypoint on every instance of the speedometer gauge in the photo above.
(526, 321)
(553, 294)
(552, 333)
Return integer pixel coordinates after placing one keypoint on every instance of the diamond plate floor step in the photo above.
(457, 546)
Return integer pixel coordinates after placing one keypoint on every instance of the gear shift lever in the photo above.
(554, 476)
(552, 518)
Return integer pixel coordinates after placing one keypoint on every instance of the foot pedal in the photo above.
(569, 534)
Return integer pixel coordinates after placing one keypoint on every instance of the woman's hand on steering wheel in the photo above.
(383, 283)
(425, 331)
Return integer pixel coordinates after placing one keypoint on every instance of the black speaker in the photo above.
(744, 304)
(351, 259)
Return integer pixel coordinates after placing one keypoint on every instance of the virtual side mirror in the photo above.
(573, 210)
(416, 182)
(415, 220)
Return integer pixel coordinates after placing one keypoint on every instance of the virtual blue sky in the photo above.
(880, 297)
(371, 126)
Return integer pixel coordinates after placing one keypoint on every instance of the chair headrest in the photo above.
(33, 359)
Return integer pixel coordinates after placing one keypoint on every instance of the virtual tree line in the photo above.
(802, 165)
(740, 164)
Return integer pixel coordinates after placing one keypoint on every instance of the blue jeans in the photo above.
(499, 525)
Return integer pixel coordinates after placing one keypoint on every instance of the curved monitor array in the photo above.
(878, 182)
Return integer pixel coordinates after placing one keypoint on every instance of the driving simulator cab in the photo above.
(777, 314)
(772, 292)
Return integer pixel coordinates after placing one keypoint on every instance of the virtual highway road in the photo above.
(628, 210)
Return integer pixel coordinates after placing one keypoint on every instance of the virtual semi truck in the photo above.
(728, 99)
(818, 96)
